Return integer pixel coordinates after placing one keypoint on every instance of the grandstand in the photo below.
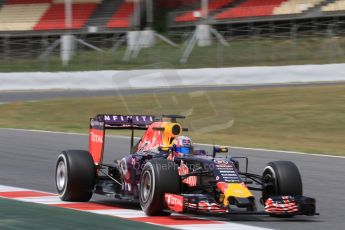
(115, 17)
(212, 7)
(338, 5)
(250, 8)
(295, 6)
(242, 11)
(54, 17)
(16, 16)
(49, 15)
(121, 18)
(37, 16)
(34, 30)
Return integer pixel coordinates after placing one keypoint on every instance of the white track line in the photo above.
(43, 200)
(123, 213)
(279, 151)
(5, 188)
(224, 226)
(130, 213)
(235, 147)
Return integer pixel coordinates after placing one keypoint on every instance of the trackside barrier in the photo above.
(156, 78)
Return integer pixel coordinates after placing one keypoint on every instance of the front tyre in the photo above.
(282, 179)
(159, 176)
(75, 175)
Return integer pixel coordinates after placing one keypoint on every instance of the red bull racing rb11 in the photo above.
(165, 173)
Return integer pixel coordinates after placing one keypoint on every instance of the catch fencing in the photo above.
(268, 44)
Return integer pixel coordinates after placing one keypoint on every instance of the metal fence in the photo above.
(284, 43)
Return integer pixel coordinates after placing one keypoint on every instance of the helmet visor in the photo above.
(184, 150)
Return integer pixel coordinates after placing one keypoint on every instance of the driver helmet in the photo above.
(183, 145)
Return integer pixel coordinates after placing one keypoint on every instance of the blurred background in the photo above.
(294, 106)
(82, 35)
(55, 35)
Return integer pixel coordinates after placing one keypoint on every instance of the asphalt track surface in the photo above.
(19, 96)
(28, 160)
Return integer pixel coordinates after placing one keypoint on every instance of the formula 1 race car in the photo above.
(165, 174)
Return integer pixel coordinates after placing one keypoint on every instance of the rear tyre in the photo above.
(159, 176)
(75, 175)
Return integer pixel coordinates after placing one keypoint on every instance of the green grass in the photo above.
(241, 52)
(308, 119)
(17, 215)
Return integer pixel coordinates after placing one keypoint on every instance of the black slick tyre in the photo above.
(75, 175)
(159, 176)
(284, 179)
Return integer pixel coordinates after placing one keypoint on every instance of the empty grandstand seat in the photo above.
(20, 17)
(54, 18)
(122, 17)
(8, 2)
(78, 1)
(250, 8)
(176, 3)
(188, 2)
(335, 6)
(295, 6)
(212, 6)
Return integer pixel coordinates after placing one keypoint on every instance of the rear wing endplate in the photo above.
(101, 122)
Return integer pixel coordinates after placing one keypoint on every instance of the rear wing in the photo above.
(101, 122)
(126, 121)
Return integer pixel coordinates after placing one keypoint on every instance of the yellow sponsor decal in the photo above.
(236, 190)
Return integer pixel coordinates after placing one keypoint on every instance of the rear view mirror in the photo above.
(220, 149)
(164, 149)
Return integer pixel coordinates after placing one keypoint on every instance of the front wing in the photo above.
(276, 205)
